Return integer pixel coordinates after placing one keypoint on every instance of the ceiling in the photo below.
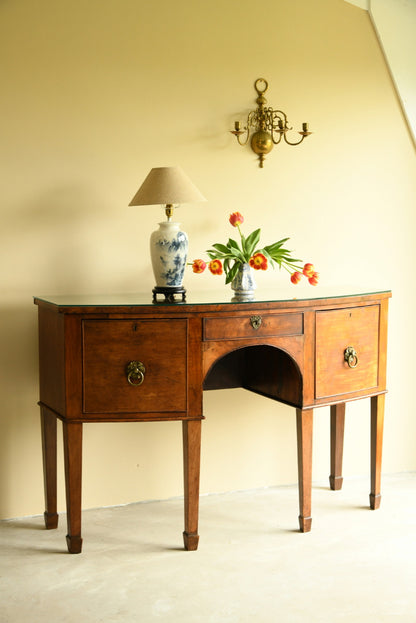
(394, 22)
(363, 4)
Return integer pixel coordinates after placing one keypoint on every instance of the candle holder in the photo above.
(265, 126)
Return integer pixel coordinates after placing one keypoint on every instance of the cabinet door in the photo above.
(109, 346)
(336, 330)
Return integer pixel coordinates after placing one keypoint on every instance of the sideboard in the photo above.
(130, 359)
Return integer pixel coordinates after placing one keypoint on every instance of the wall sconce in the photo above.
(265, 126)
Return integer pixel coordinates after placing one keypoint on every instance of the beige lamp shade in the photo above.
(166, 185)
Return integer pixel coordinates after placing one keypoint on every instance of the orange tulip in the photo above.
(236, 219)
(198, 266)
(215, 266)
(313, 279)
(308, 270)
(296, 277)
(258, 261)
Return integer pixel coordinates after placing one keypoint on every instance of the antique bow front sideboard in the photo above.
(128, 359)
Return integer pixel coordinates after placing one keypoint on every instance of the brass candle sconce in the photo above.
(265, 126)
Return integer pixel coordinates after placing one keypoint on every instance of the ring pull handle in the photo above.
(255, 322)
(135, 371)
(351, 357)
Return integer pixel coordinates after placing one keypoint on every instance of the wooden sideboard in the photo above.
(128, 359)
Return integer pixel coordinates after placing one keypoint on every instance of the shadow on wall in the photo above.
(19, 418)
(50, 244)
(43, 243)
(52, 231)
(68, 240)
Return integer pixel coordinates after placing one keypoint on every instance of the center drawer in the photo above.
(252, 326)
(109, 346)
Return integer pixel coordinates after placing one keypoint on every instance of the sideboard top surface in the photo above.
(288, 296)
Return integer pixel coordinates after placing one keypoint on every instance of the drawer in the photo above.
(336, 330)
(252, 326)
(109, 346)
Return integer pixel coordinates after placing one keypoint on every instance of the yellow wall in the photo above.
(96, 93)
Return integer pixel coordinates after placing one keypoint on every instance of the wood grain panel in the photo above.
(234, 327)
(335, 331)
(52, 359)
(109, 345)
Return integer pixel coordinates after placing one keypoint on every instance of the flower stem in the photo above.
(243, 246)
(291, 268)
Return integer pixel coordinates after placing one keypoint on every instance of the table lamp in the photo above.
(168, 245)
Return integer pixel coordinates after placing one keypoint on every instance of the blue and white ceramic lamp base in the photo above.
(169, 251)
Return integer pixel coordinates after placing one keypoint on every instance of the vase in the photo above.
(243, 283)
(168, 250)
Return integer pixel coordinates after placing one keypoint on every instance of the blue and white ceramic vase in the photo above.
(243, 283)
(169, 250)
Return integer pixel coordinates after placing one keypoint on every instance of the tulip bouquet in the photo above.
(228, 258)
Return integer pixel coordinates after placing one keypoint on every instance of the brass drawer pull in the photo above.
(135, 373)
(351, 357)
(255, 322)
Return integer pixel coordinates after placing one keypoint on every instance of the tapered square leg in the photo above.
(72, 432)
(337, 445)
(304, 426)
(377, 424)
(48, 430)
(191, 464)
